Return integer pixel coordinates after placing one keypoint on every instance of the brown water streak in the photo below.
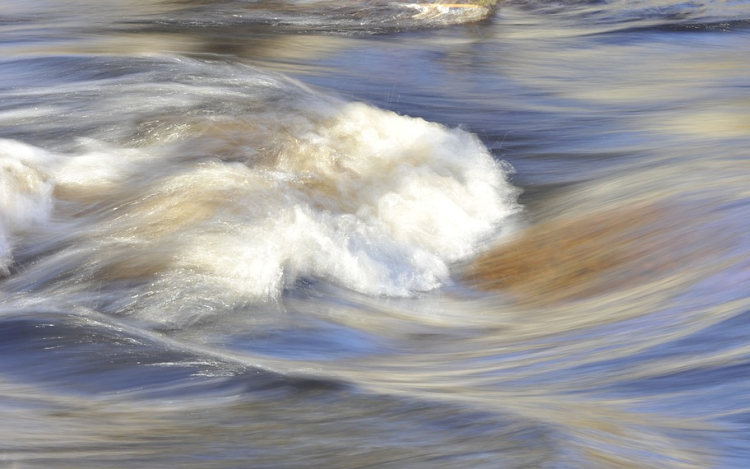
(579, 256)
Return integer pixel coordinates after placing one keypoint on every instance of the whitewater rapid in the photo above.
(201, 189)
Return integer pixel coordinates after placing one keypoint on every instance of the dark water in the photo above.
(374, 234)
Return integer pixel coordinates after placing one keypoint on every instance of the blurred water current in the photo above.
(374, 234)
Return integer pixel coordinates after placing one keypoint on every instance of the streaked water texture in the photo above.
(379, 234)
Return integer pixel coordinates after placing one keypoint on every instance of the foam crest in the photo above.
(25, 193)
(368, 199)
(365, 198)
(239, 209)
(454, 12)
(422, 184)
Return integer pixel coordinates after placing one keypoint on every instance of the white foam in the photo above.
(371, 200)
(97, 167)
(348, 193)
(25, 193)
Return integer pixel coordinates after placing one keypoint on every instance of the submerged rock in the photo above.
(574, 257)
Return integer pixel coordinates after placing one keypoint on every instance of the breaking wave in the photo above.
(206, 191)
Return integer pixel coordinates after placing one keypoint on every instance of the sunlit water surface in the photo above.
(374, 234)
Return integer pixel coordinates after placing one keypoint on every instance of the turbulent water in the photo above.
(375, 234)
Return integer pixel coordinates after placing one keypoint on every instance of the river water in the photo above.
(374, 234)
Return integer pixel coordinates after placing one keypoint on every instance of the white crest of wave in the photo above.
(25, 193)
(364, 198)
(371, 200)
(424, 185)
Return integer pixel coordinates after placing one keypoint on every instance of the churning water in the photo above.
(375, 234)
